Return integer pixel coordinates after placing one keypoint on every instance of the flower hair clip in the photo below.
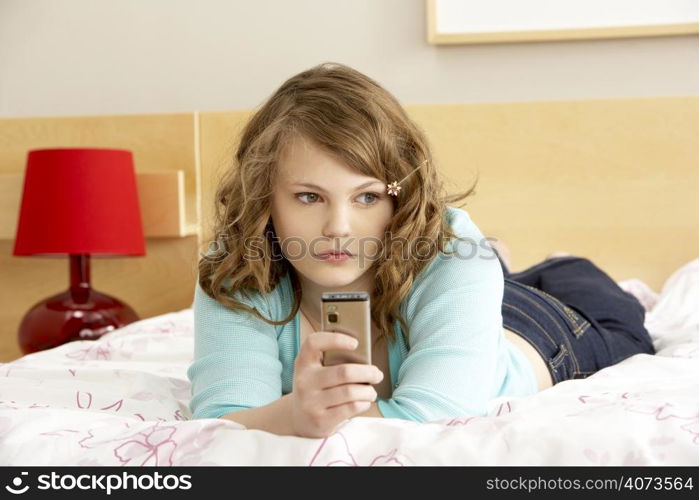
(393, 188)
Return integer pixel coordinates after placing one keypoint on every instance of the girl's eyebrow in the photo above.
(313, 186)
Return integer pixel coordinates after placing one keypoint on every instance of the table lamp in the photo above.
(77, 202)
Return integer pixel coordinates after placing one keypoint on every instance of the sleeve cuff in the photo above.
(217, 411)
(390, 409)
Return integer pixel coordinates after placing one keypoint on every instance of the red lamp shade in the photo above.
(80, 201)
(77, 202)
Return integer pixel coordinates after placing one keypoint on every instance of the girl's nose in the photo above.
(338, 225)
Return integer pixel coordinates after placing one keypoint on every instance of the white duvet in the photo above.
(122, 400)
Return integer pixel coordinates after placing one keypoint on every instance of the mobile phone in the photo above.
(348, 313)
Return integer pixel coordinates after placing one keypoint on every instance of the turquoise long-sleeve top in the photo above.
(458, 361)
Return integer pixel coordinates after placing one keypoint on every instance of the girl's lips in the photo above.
(325, 254)
(335, 257)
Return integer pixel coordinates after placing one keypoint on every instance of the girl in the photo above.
(334, 189)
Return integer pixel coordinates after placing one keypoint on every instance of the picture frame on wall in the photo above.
(451, 22)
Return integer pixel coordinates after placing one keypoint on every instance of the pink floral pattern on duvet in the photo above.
(122, 400)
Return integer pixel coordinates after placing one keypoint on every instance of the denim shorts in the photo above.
(575, 315)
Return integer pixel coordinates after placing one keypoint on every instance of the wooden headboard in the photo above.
(613, 180)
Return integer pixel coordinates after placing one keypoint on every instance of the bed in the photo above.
(123, 400)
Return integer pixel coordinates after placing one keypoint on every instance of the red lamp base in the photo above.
(76, 314)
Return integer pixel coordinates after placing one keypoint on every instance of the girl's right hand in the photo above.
(325, 396)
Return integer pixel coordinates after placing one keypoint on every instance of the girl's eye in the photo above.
(299, 195)
(373, 200)
(375, 197)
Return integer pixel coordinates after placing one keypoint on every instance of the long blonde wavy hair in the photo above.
(352, 117)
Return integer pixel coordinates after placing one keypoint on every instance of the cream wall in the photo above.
(87, 57)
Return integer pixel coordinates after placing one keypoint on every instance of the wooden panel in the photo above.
(163, 208)
(611, 180)
(11, 186)
(220, 136)
(161, 198)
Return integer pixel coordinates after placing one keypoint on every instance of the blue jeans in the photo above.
(575, 316)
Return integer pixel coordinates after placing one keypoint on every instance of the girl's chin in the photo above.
(333, 277)
(330, 279)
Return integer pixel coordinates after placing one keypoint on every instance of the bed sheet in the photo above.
(122, 400)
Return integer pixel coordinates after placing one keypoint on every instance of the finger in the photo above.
(349, 373)
(347, 393)
(316, 343)
(348, 410)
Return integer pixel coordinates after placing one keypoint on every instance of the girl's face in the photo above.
(343, 210)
